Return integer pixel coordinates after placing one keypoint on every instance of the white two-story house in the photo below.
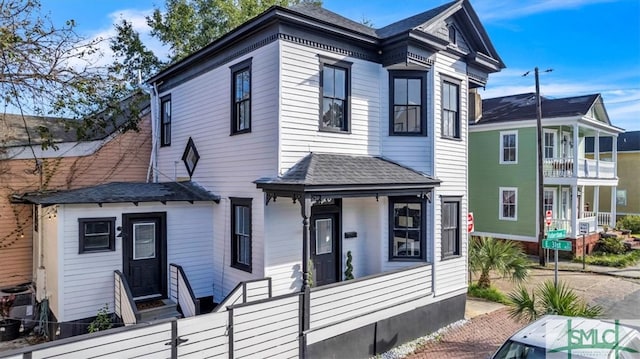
(323, 136)
(317, 138)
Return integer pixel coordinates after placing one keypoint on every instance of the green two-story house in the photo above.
(503, 162)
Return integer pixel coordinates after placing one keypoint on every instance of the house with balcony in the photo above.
(503, 167)
(627, 196)
(322, 139)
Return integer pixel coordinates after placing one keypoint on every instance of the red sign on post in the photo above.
(548, 216)
(470, 222)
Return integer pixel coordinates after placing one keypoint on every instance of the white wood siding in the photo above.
(283, 249)
(360, 215)
(451, 169)
(228, 164)
(206, 336)
(88, 277)
(52, 260)
(300, 107)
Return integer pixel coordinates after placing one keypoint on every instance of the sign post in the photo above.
(554, 242)
(584, 229)
(548, 215)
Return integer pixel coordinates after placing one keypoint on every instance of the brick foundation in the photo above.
(531, 248)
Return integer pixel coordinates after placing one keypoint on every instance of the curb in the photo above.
(589, 271)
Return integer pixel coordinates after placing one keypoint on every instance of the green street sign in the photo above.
(557, 234)
(554, 244)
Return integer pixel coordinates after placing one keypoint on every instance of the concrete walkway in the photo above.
(632, 272)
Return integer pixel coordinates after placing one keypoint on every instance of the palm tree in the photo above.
(487, 254)
(549, 299)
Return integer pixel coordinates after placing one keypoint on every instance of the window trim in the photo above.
(554, 205)
(81, 234)
(235, 69)
(458, 252)
(165, 142)
(500, 204)
(554, 143)
(244, 202)
(501, 154)
(458, 124)
(423, 229)
(623, 197)
(409, 74)
(346, 65)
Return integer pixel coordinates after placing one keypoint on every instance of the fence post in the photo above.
(174, 339)
(230, 333)
(304, 315)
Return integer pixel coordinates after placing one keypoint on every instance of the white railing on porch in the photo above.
(181, 293)
(246, 292)
(125, 307)
(604, 218)
(272, 327)
(566, 224)
(586, 168)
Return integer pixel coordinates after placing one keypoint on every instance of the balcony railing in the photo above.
(586, 168)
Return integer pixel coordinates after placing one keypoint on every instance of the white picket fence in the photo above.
(252, 324)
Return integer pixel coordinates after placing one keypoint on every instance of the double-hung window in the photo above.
(408, 103)
(97, 234)
(549, 144)
(509, 147)
(508, 203)
(450, 109)
(450, 227)
(241, 233)
(406, 227)
(335, 91)
(241, 97)
(165, 121)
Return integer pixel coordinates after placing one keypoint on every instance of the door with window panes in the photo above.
(144, 254)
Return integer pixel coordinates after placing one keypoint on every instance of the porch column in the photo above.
(574, 212)
(614, 155)
(596, 205)
(575, 155)
(612, 218)
(596, 153)
(305, 209)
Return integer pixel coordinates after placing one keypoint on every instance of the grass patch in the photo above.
(492, 294)
(612, 260)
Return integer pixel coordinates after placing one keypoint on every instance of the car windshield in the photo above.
(515, 350)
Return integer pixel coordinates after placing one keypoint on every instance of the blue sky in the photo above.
(593, 46)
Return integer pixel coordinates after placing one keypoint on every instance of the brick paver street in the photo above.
(479, 338)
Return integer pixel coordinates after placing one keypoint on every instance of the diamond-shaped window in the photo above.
(190, 157)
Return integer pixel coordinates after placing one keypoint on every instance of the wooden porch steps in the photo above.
(164, 310)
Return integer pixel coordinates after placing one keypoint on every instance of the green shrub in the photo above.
(612, 260)
(629, 222)
(612, 245)
(492, 293)
(102, 321)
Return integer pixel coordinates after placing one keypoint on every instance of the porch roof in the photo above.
(323, 173)
(121, 192)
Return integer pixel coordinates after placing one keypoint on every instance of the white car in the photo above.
(554, 336)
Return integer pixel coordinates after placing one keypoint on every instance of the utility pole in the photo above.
(541, 214)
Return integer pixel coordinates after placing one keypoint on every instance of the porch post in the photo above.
(596, 153)
(612, 216)
(576, 165)
(304, 211)
(596, 204)
(614, 155)
(574, 212)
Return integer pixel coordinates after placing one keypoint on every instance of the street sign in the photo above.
(584, 227)
(554, 244)
(557, 234)
(470, 222)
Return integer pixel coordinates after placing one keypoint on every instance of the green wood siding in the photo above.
(487, 175)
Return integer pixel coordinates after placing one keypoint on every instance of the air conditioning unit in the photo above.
(24, 303)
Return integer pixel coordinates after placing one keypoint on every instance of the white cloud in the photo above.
(508, 9)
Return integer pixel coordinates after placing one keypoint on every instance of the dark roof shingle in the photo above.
(121, 192)
(322, 169)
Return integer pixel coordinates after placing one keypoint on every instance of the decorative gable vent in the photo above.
(190, 157)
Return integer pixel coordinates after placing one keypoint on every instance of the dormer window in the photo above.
(452, 34)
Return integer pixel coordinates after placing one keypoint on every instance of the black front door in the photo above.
(325, 240)
(144, 254)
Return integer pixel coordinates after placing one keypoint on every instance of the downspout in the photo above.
(152, 91)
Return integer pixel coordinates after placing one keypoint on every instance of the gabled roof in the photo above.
(522, 107)
(627, 142)
(412, 22)
(121, 192)
(17, 130)
(320, 13)
(318, 171)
